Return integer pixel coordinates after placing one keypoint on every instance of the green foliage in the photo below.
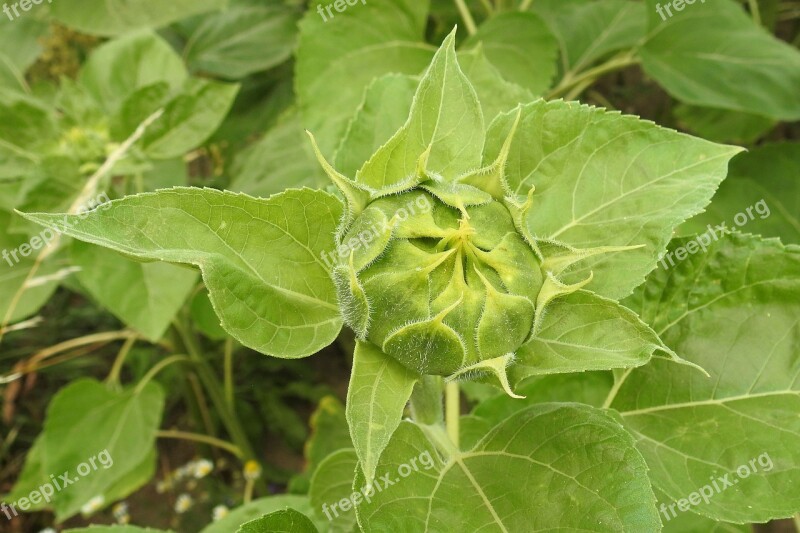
(233, 176)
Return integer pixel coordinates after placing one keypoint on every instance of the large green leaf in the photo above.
(701, 53)
(242, 40)
(282, 158)
(283, 521)
(722, 125)
(376, 398)
(115, 17)
(189, 119)
(548, 467)
(445, 117)
(606, 179)
(331, 484)
(734, 311)
(260, 258)
(587, 31)
(87, 422)
(21, 36)
(258, 508)
(350, 50)
(521, 47)
(688, 522)
(590, 388)
(383, 111)
(145, 296)
(120, 67)
(495, 94)
(765, 182)
(15, 271)
(583, 331)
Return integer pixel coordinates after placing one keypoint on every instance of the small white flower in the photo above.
(48, 530)
(183, 503)
(93, 505)
(202, 468)
(219, 512)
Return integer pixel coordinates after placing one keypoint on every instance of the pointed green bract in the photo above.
(583, 331)
(261, 259)
(376, 397)
(445, 116)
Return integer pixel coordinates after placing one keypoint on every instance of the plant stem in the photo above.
(158, 368)
(229, 372)
(754, 11)
(426, 401)
(525, 5)
(215, 393)
(113, 376)
(618, 381)
(452, 410)
(248, 490)
(570, 82)
(469, 22)
(196, 437)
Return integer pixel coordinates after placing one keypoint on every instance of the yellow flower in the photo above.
(252, 470)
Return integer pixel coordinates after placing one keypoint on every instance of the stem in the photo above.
(754, 12)
(196, 437)
(469, 22)
(797, 521)
(525, 5)
(452, 410)
(618, 381)
(202, 405)
(158, 368)
(248, 490)
(229, 372)
(426, 401)
(570, 82)
(209, 380)
(34, 363)
(113, 376)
